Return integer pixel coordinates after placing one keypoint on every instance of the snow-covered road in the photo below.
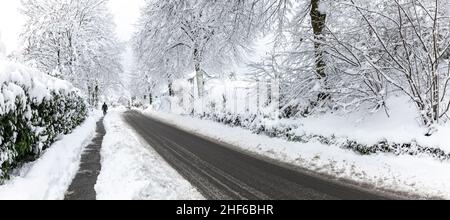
(423, 176)
(223, 173)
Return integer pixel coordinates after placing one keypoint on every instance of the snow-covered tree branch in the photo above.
(73, 40)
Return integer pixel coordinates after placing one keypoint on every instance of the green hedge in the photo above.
(29, 125)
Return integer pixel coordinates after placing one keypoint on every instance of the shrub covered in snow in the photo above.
(34, 110)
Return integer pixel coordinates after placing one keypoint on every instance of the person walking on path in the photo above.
(105, 108)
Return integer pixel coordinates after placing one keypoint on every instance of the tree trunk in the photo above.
(318, 24)
(58, 53)
(150, 99)
(258, 96)
(171, 92)
(436, 101)
(199, 73)
(89, 88)
(96, 95)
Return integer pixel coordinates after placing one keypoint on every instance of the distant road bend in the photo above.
(221, 173)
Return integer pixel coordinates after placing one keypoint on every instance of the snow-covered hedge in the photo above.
(260, 124)
(34, 110)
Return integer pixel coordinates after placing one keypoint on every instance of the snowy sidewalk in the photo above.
(49, 177)
(82, 187)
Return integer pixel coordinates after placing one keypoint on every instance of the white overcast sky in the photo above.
(126, 13)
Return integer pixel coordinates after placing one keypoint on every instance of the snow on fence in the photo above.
(34, 110)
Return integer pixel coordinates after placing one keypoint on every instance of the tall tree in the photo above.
(179, 36)
(72, 40)
(318, 19)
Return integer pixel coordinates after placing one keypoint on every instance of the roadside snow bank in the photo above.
(366, 134)
(132, 170)
(412, 174)
(49, 177)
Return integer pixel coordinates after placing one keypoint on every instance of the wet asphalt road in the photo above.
(222, 173)
(82, 187)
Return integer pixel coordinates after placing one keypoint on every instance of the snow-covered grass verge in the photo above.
(49, 177)
(365, 133)
(132, 170)
(418, 175)
(402, 126)
(293, 130)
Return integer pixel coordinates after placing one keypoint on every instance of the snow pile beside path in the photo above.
(132, 170)
(413, 174)
(49, 177)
